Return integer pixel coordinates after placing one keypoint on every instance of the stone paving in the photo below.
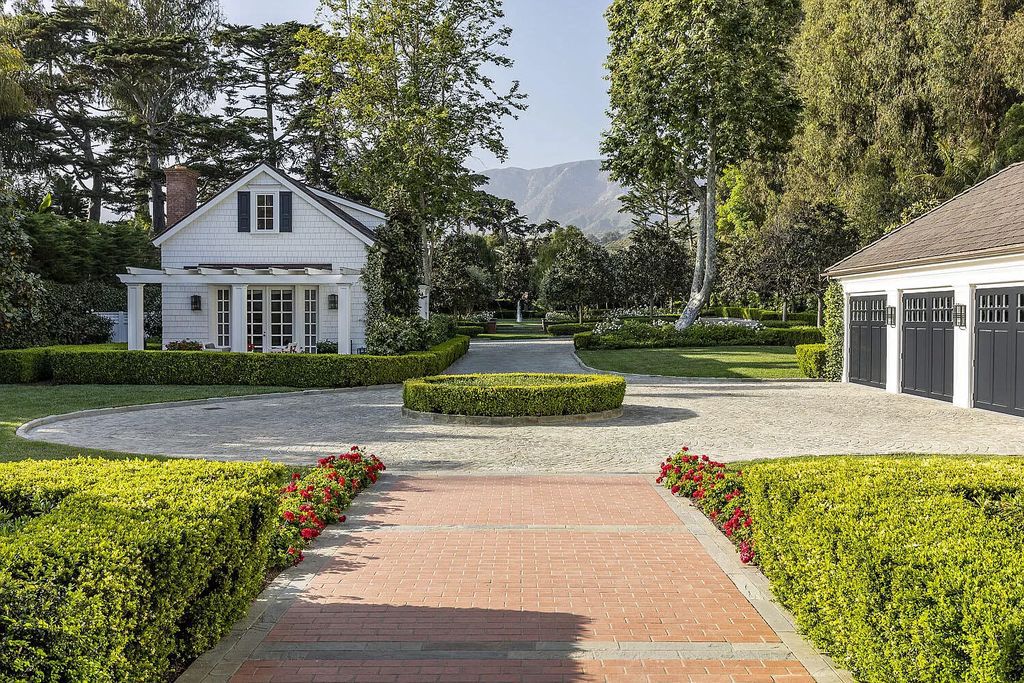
(512, 578)
(732, 420)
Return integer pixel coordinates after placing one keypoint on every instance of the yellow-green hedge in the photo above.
(514, 394)
(811, 359)
(904, 569)
(70, 366)
(123, 570)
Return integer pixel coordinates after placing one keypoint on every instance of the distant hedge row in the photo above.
(68, 366)
(643, 336)
(569, 329)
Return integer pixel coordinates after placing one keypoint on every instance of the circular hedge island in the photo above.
(521, 395)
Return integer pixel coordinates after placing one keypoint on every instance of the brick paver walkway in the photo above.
(506, 578)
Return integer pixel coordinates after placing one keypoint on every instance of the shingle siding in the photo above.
(214, 238)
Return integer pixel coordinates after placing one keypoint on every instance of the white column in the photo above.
(239, 318)
(344, 318)
(136, 319)
(893, 342)
(963, 349)
(846, 335)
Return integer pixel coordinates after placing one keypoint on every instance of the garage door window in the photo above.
(995, 308)
(916, 310)
(942, 308)
(1020, 308)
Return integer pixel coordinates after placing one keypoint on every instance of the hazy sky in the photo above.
(559, 47)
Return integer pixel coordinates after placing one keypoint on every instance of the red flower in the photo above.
(309, 533)
(342, 518)
(289, 515)
(675, 489)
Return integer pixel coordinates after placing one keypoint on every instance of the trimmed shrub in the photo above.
(904, 569)
(469, 330)
(568, 329)
(634, 334)
(790, 336)
(254, 369)
(834, 332)
(811, 359)
(24, 365)
(123, 570)
(514, 394)
(394, 336)
(184, 345)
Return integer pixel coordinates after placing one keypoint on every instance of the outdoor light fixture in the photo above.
(960, 315)
(197, 302)
(332, 302)
(890, 316)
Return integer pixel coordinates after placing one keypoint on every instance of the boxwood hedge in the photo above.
(123, 570)
(811, 359)
(66, 365)
(644, 336)
(514, 394)
(569, 329)
(905, 569)
(469, 330)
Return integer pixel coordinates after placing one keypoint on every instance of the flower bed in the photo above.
(66, 365)
(514, 394)
(126, 570)
(902, 568)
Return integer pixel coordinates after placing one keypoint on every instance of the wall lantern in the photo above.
(890, 316)
(197, 302)
(332, 302)
(960, 315)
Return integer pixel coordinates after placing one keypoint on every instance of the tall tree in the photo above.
(653, 267)
(515, 272)
(417, 100)
(157, 69)
(696, 86)
(578, 275)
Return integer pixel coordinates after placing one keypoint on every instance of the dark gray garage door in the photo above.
(999, 350)
(867, 340)
(928, 344)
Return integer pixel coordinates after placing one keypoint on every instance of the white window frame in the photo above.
(276, 207)
(215, 316)
(311, 319)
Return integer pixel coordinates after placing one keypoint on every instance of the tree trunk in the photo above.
(821, 309)
(95, 193)
(519, 310)
(156, 185)
(581, 313)
(785, 311)
(707, 248)
(268, 91)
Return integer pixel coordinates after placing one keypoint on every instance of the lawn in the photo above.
(20, 403)
(755, 362)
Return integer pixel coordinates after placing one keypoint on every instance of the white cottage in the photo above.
(935, 308)
(267, 264)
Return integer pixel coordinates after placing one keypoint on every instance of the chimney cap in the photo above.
(181, 168)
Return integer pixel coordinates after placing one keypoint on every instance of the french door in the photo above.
(277, 317)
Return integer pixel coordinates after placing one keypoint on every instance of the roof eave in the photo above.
(1009, 250)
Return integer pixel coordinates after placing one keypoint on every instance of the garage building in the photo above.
(935, 308)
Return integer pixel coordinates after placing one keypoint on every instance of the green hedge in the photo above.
(811, 359)
(124, 570)
(22, 366)
(468, 330)
(514, 394)
(66, 365)
(569, 329)
(644, 336)
(903, 569)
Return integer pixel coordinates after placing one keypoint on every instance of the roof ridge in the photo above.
(930, 211)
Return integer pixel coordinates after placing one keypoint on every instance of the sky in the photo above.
(559, 48)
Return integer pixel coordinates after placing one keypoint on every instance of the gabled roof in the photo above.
(330, 208)
(984, 220)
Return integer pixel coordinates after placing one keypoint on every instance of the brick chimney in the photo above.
(182, 191)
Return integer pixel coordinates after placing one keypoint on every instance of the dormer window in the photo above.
(265, 214)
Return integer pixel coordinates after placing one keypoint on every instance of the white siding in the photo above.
(316, 238)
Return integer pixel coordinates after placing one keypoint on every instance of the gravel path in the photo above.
(727, 419)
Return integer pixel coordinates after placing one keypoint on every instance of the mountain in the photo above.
(577, 193)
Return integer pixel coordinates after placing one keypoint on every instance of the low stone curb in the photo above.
(753, 584)
(24, 429)
(520, 420)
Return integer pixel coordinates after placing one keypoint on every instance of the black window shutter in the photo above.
(286, 211)
(243, 212)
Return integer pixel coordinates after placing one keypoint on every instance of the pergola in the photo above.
(239, 279)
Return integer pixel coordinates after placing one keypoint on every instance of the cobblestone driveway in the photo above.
(727, 419)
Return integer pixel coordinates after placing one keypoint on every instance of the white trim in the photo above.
(237, 185)
(238, 276)
(275, 212)
(338, 199)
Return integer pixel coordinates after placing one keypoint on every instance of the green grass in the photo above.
(528, 329)
(760, 362)
(20, 403)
